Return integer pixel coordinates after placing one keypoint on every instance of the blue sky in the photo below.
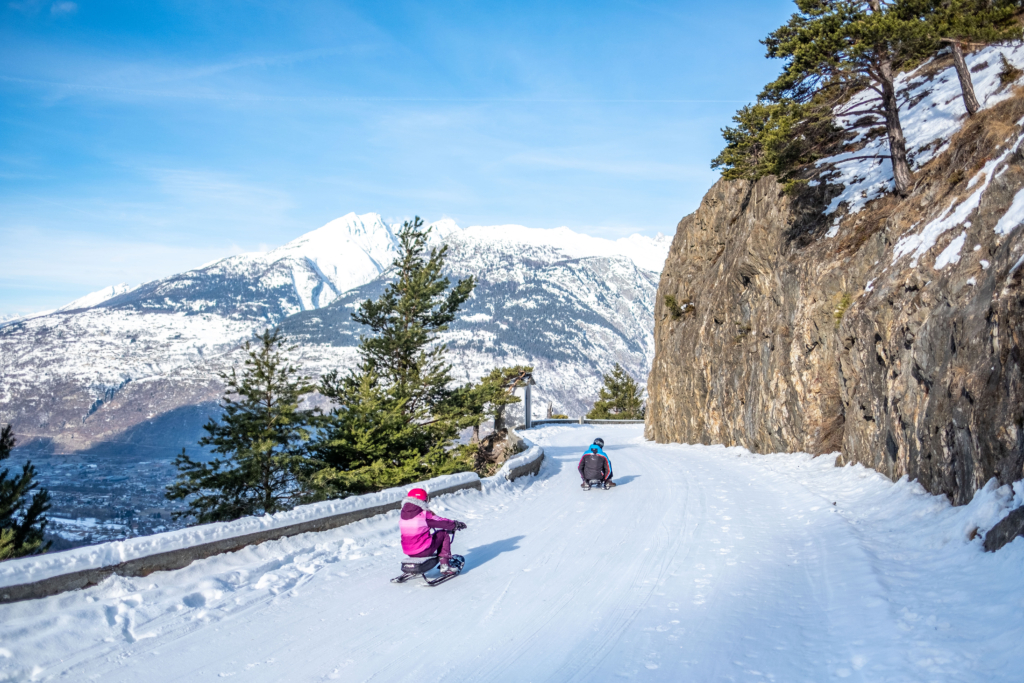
(139, 139)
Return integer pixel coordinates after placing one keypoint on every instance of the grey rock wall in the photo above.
(793, 340)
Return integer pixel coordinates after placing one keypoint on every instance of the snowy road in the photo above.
(705, 564)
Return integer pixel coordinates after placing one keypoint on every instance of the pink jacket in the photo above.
(416, 522)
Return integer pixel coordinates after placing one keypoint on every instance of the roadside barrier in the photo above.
(41, 576)
(522, 465)
(578, 421)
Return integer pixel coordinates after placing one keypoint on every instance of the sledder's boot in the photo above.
(449, 569)
(585, 486)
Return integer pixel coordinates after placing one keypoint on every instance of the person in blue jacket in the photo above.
(594, 465)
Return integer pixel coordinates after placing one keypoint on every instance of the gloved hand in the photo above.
(459, 526)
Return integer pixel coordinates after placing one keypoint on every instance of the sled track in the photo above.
(703, 564)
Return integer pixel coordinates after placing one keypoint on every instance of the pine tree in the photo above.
(960, 22)
(776, 138)
(621, 398)
(840, 46)
(497, 391)
(264, 435)
(395, 417)
(22, 522)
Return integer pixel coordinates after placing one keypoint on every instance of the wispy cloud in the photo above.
(220, 194)
(56, 251)
(30, 7)
(619, 166)
(26, 6)
(58, 9)
(71, 72)
(75, 266)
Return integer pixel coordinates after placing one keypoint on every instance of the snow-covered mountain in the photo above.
(307, 273)
(133, 371)
(571, 318)
(97, 297)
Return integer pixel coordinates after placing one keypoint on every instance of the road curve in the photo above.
(700, 565)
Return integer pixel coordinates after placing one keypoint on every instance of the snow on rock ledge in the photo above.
(932, 112)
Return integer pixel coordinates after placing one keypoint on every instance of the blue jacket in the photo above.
(597, 466)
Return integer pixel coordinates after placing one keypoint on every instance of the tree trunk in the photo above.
(966, 85)
(476, 434)
(897, 143)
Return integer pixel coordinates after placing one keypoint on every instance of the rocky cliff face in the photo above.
(893, 334)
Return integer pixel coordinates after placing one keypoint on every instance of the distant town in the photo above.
(105, 499)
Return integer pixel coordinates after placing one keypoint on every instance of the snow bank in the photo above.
(517, 466)
(31, 569)
(903, 512)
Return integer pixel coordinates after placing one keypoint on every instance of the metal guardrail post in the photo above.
(529, 406)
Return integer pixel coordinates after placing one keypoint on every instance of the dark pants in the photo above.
(441, 545)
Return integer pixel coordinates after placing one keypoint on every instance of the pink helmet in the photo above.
(418, 493)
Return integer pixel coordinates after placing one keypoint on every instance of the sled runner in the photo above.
(415, 566)
(597, 483)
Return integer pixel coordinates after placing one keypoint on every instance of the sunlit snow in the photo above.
(706, 563)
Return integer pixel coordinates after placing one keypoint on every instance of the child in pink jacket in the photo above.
(424, 534)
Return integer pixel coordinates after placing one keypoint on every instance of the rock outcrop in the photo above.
(779, 330)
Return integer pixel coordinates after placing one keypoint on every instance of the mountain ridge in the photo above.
(116, 389)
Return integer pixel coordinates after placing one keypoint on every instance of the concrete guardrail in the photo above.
(178, 558)
(520, 466)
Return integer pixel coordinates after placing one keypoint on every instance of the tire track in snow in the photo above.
(666, 537)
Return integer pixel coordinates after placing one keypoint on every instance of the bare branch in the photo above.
(1001, 43)
(878, 90)
(864, 112)
(871, 156)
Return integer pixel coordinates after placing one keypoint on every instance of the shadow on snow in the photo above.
(484, 553)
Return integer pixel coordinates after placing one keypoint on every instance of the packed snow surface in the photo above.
(704, 564)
